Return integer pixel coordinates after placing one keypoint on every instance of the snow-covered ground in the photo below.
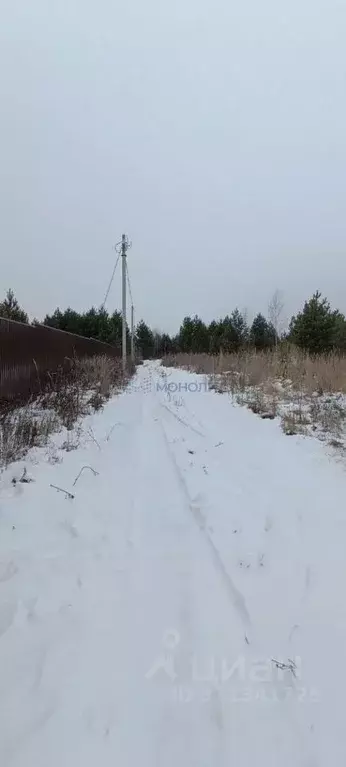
(299, 411)
(186, 607)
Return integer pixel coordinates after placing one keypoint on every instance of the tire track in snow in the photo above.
(181, 420)
(234, 595)
(308, 757)
(177, 730)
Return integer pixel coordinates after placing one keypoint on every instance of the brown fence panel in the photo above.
(29, 354)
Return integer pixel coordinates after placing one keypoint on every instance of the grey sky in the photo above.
(213, 133)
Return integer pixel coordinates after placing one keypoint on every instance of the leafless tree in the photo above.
(157, 335)
(245, 315)
(275, 308)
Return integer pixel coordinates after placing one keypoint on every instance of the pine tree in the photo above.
(215, 332)
(241, 330)
(262, 333)
(228, 337)
(339, 334)
(10, 309)
(145, 341)
(317, 328)
(200, 336)
(186, 335)
(166, 345)
(53, 320)
(116, 331)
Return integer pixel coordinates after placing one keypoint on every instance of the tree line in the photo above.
(94, 323)
(317, 329)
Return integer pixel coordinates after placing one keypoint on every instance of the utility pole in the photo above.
(132, 334)
(124, 246)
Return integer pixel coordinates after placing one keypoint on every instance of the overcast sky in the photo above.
(212, 132)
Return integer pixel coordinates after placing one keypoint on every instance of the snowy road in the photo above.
(140, 622)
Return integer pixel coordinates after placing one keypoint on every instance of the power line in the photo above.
(129, 283)
(111, 280)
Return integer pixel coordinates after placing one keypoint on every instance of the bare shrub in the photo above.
(22, 429)
(290, 424)
(256, 402)
(96, 400)
(67, 402)
(336, 444)
(332, 417)
(70, 444)
(68, 394)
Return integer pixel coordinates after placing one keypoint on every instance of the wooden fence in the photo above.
(30, 354)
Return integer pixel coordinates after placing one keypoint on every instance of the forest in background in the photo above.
(316, 329)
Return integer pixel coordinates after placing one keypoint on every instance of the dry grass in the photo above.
(23, 429)
(330, 414)
(250, 368)
(89, 384)
(306, 392)
(291, 424)
(100, 374)
(67, 398)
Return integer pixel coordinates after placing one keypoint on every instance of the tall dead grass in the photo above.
(305, 392)
(66, 398)
(325, 374)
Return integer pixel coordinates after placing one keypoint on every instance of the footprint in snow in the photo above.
(7, 615)
(268, 524)
(7, 571)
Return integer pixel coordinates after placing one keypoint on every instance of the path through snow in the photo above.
(143, 622)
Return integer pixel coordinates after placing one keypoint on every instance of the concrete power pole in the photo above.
(132, 334)
(124, 246)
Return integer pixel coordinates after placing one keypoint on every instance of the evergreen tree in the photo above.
(145, 341)
(166, 345)
(89, 324)
(10, 309)
(229, 334)
(116, 331)
(262, 333)
(200, 336)
(186, 335)
(193, 336)
(317, 329)
(215, 332)
(339, 333)
(95, 323)
(71, 321)
(241, 330)
(228, 337)
(54, 320)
